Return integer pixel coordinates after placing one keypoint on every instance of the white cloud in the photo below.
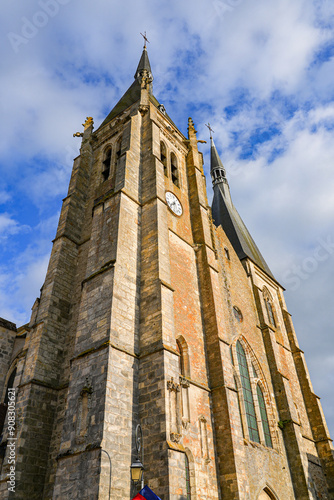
(9, 226)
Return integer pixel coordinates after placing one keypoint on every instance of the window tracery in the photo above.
(253, 405)
(248, 394)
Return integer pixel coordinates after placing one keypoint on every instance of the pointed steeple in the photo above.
(226, 215)
(133, 94)
(144, 65)
(218, 172)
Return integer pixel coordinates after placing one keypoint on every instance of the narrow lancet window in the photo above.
(270, 312)
(118, 151)
(163, 157)
(269, 307)
(174, 170)
(181, 358)
(4, 405)
(239, 405)
(248, 395)
(264, 417)
(106, 164)
(187, 477)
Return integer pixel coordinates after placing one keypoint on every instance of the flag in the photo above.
(146, 494)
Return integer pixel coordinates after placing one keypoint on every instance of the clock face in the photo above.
(173, 203)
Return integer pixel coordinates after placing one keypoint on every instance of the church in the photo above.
(158, 313)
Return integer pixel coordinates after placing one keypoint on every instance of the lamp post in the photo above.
(137, 467)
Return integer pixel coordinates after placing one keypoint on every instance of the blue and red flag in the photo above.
(146, 494)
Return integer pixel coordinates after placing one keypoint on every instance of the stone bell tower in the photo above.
(154, 313)
(110, 342)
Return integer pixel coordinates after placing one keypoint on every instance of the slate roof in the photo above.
(132, 95)
(226, 215)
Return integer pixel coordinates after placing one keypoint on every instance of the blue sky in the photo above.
(260, 72)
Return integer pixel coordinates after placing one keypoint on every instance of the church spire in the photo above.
(144, 67)
(226, 215)
(217, 169)
(218, 172)
(140, 90)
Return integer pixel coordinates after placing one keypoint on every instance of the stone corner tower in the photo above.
(157, 310)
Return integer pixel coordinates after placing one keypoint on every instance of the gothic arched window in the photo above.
(181, 358)
(118, 150)
(264, 417)
(4, 405)
(269, 307)
(187, 477)
(163, 157)
(106, 163)
(254, 403)
(239, 405)
(184, 371)
(248, 394)
(184, 361)
(190, 475)
(174, 170)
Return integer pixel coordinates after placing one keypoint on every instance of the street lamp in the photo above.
(137, 468)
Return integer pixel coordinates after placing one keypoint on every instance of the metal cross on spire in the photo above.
(145, 38)
(211, 130)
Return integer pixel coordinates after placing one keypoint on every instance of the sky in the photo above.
(260, 72)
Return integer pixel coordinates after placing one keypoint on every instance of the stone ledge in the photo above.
(64, 235)
(176, 446)
(103, 269)
(167, 285)
(8, 325)
(70, 453)
(43, 384)
(103, 345)
(224, 341)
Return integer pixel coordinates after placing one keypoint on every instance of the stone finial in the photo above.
(191, 126)
(89, 122)
(173, 386)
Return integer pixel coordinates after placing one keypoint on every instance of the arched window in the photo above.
(248, 395)
(163, 157)
(118, 151)
(184, 361)
(264, 416)
(269, 307)
(181, 358)
(254, 404)
(184, 371)
(239, 405)
(187, 477)
(237, 314)
(174, 170)
(266, 495)
(227, 253)
(106, 163)
(4, 405)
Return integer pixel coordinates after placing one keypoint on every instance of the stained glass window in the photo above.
(264, 417)
(248, 395)
(237, 314)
